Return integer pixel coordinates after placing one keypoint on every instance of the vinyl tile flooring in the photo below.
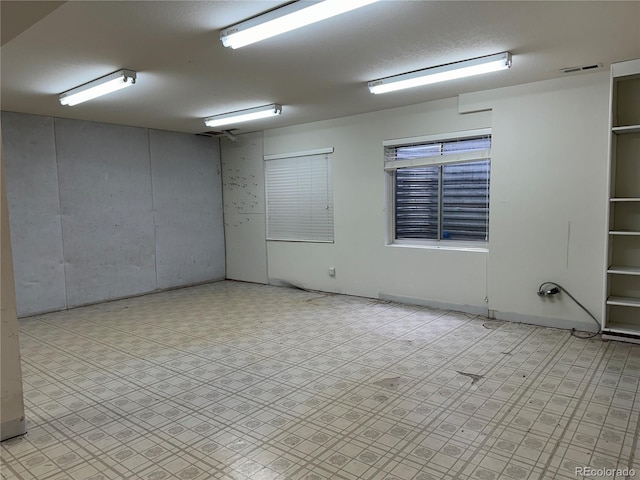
(242, 381)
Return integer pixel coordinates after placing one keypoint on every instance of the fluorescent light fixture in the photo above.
(451, 71)
(243, 115)
(284, 19)
(98, 87)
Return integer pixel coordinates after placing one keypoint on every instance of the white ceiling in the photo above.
(318, 72)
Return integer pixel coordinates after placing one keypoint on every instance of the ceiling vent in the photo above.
(583, 68)
(221, 133)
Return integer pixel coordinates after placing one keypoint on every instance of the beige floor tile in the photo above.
(242, 381)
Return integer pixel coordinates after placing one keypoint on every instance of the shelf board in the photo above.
(623, 270)
(622, 333)
(624, 302)
(626, 328)
(629, 328)
(625, 232)
(625, 199)
(626, 129)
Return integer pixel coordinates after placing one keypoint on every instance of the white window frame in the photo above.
(291, 235)
(391, 165)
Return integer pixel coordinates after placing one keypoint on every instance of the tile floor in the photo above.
(242, 381)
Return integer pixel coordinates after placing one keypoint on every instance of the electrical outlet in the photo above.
(332, 271)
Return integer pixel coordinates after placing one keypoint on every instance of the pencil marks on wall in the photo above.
(244, 208)
(243, 175)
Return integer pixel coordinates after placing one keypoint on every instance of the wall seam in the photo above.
(264, 199)
(224, 209)
(153, 211)
(64, 257)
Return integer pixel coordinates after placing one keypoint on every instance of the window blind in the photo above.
(299, 199)
(417, 203)
(455, 150)
(465, 201)
(441, 188)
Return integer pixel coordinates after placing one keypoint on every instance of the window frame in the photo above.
(391, 166)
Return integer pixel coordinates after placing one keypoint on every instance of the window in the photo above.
(299, 196)
(440, 187)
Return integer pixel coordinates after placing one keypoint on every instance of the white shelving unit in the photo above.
(622, 308)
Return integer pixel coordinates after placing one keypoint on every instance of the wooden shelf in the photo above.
(624, 332)
(625, 232)
(621, 311)
(623, 270)
(626, 129)
(621, 337)
(625, 328)
(624, 302)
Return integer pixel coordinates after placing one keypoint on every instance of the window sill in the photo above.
(450, 246)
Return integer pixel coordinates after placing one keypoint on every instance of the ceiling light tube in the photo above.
(451, 71)
(96, 88)
(284, 19)
(243, 115)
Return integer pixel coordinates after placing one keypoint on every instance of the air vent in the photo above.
(218, 133)
(583, 68)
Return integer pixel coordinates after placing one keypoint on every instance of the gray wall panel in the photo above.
(187, 198)
(105, 197)
(82, 213)
(34, 205)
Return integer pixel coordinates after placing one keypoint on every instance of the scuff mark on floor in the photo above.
(474, 378)
(492, 324)
(391, 383)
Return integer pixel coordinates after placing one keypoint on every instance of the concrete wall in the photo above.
(34, 200)
(187, 201)
(12, 421)
(107, 213)
(547, 206)
(102, 211)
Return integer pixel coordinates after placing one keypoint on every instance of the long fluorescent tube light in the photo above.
(98, 87)
(285, 19)
(451, 71)
(243, 115)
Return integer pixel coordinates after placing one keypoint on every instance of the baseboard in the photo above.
(620, 337)
(472, 309)
(12, 428)
(561, 323)
(116, 299)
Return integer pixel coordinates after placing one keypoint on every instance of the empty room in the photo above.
(337, 239)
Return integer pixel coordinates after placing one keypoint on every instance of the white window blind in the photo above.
(462, 147)
(440, 187)
(299, 198)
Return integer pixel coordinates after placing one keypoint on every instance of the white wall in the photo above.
(244, 208)
(546, 214)
(364, 264)
(548, 196)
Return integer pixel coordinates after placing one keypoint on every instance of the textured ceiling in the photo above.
(19, 16)
(319, 72)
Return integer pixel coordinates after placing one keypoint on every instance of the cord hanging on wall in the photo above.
(551, 289)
